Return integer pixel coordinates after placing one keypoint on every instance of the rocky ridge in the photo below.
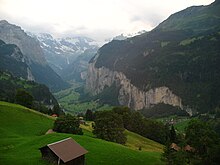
(129, 95)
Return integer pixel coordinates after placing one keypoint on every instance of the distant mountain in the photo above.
(177, 63)
(12, 60)
(126, 36)
(63, 54)
(33, 55)
(77, 70)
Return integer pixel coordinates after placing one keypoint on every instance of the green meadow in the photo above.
(23, 133)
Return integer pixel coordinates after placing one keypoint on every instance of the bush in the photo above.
(109, 126)
(67, 124)
(24, 98)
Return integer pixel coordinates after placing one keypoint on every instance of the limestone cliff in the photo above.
(129, 95)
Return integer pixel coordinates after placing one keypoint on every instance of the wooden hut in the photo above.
(64, 152)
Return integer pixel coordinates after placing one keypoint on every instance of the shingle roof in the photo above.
(67, 149)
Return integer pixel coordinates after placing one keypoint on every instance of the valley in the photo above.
(150, 97)
(73, 102)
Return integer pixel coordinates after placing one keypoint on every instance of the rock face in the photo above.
(129, 95)
(33, 56)
(12, 60)
(12, 34)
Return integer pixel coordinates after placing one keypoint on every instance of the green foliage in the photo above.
(135, 141)
(89, 115)
(67, 124)
(187, 41)
(163, 44)
(163, 110)
(135, 122)
(109, 126)
(11, 60)
(173, 137)
(22, 134)
(24, 98)
(204, 140)
(195, 18)
(42, 96)
(172, 157)
(74, 100)
(190, 69)
(42, 108)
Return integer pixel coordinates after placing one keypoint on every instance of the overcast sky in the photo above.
(98, 19)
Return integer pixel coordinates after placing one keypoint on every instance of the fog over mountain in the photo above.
(96, 19)
(62, 52)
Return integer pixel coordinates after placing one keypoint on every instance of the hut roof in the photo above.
(67, 149)
(189, 148)
(175, 146)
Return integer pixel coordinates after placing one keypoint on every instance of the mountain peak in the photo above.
(4, 22)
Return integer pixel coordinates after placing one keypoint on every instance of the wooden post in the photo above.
(58, 161)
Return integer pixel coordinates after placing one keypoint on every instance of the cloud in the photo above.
(99, 19)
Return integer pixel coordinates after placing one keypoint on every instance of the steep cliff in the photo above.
(177, 66)
(129, 95)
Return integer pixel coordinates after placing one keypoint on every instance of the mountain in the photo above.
(177, 63)
(32, 54)
(67, 56)
(12, 60)
(196, 18)
(77, 70)
(125, 36)
(41, 94)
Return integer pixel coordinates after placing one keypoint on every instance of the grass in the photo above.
(134, 141)
(69, 99)
(180, 126)
(180, 123)
(22, 134)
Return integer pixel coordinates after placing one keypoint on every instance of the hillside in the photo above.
(22, 134)
(12, 60)
(41, 94)
(178, 66)
(33, 55)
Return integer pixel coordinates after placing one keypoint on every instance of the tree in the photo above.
(67, 124)
(24, 98)
(173, 137)
(89, 115)
(205, 141)
(109, 126)
(56, 109)
(135, 122)
(154, 130)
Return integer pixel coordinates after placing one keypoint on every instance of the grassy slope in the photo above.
(69, 100)
(182, 125)
(22, 135)
(134, 141)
